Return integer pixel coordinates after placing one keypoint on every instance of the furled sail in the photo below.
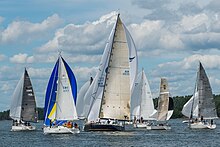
(61, 94)
(119, 63)
(141, 101)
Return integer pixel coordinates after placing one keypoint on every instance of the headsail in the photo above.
(141, 101)
(15, 107)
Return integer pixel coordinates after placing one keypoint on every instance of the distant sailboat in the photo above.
(83, 103)
(60, 100)
(111, 89)
(200, 109)
(142, 105)
(164, 110)
(23, 105)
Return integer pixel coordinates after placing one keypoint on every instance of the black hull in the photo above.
(103, 127)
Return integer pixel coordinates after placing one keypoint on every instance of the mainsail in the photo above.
(110, 92)
(23, 106)
(61, 94)
(202, 102)
(165, 102)
(141, 101)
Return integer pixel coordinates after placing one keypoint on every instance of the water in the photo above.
(179, 135)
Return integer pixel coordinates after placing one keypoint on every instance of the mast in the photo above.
(142, 86)
(195, 90)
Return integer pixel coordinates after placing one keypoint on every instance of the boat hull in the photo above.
(158, 127)
(22, 127)
(201, 125)
(140, 125)
(61, 130)
(103, 127)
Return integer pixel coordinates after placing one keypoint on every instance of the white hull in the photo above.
(22, 127)
(141, 125)
(61, 130)
(201, 125)
(159, 127)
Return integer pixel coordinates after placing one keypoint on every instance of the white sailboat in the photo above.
(164, 110)
(60, 100)
(83, 103)
(113, 84)
(23, 105)
(200, 109)
(142, 105)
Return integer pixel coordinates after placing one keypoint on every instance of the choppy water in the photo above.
(180, 135)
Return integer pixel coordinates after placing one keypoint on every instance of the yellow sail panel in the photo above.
(116, 96)
(52, 112)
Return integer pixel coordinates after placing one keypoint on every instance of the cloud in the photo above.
(89, 37)
(214, 5)
(22, 58)
(24, 31)
(150, 4)
(182, 74)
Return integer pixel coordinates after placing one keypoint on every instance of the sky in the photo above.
(171, 37)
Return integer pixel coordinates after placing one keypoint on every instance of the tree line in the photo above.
(179, 101)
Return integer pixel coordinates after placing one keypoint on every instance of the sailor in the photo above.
(50, 123)
(211, 122)
(135, 120)
(75, 125)
(142, 120)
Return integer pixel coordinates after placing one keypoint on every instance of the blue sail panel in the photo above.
(50, 97)
(72, 80)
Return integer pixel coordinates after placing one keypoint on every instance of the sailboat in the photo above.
(164, 110)
(23, 105)
(113, 84)
(60, 100)
(200, 109)
(142, 105)
(83, 103)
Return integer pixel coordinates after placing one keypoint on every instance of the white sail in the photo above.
(95, 91)
(141, 101)
(65, 107)
(97, 88)
(83, 105)
(15, 108)
(187, 107)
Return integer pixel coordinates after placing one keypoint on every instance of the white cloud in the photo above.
(88, 37)
(22, 58)
(24, 31)
(182, 74)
